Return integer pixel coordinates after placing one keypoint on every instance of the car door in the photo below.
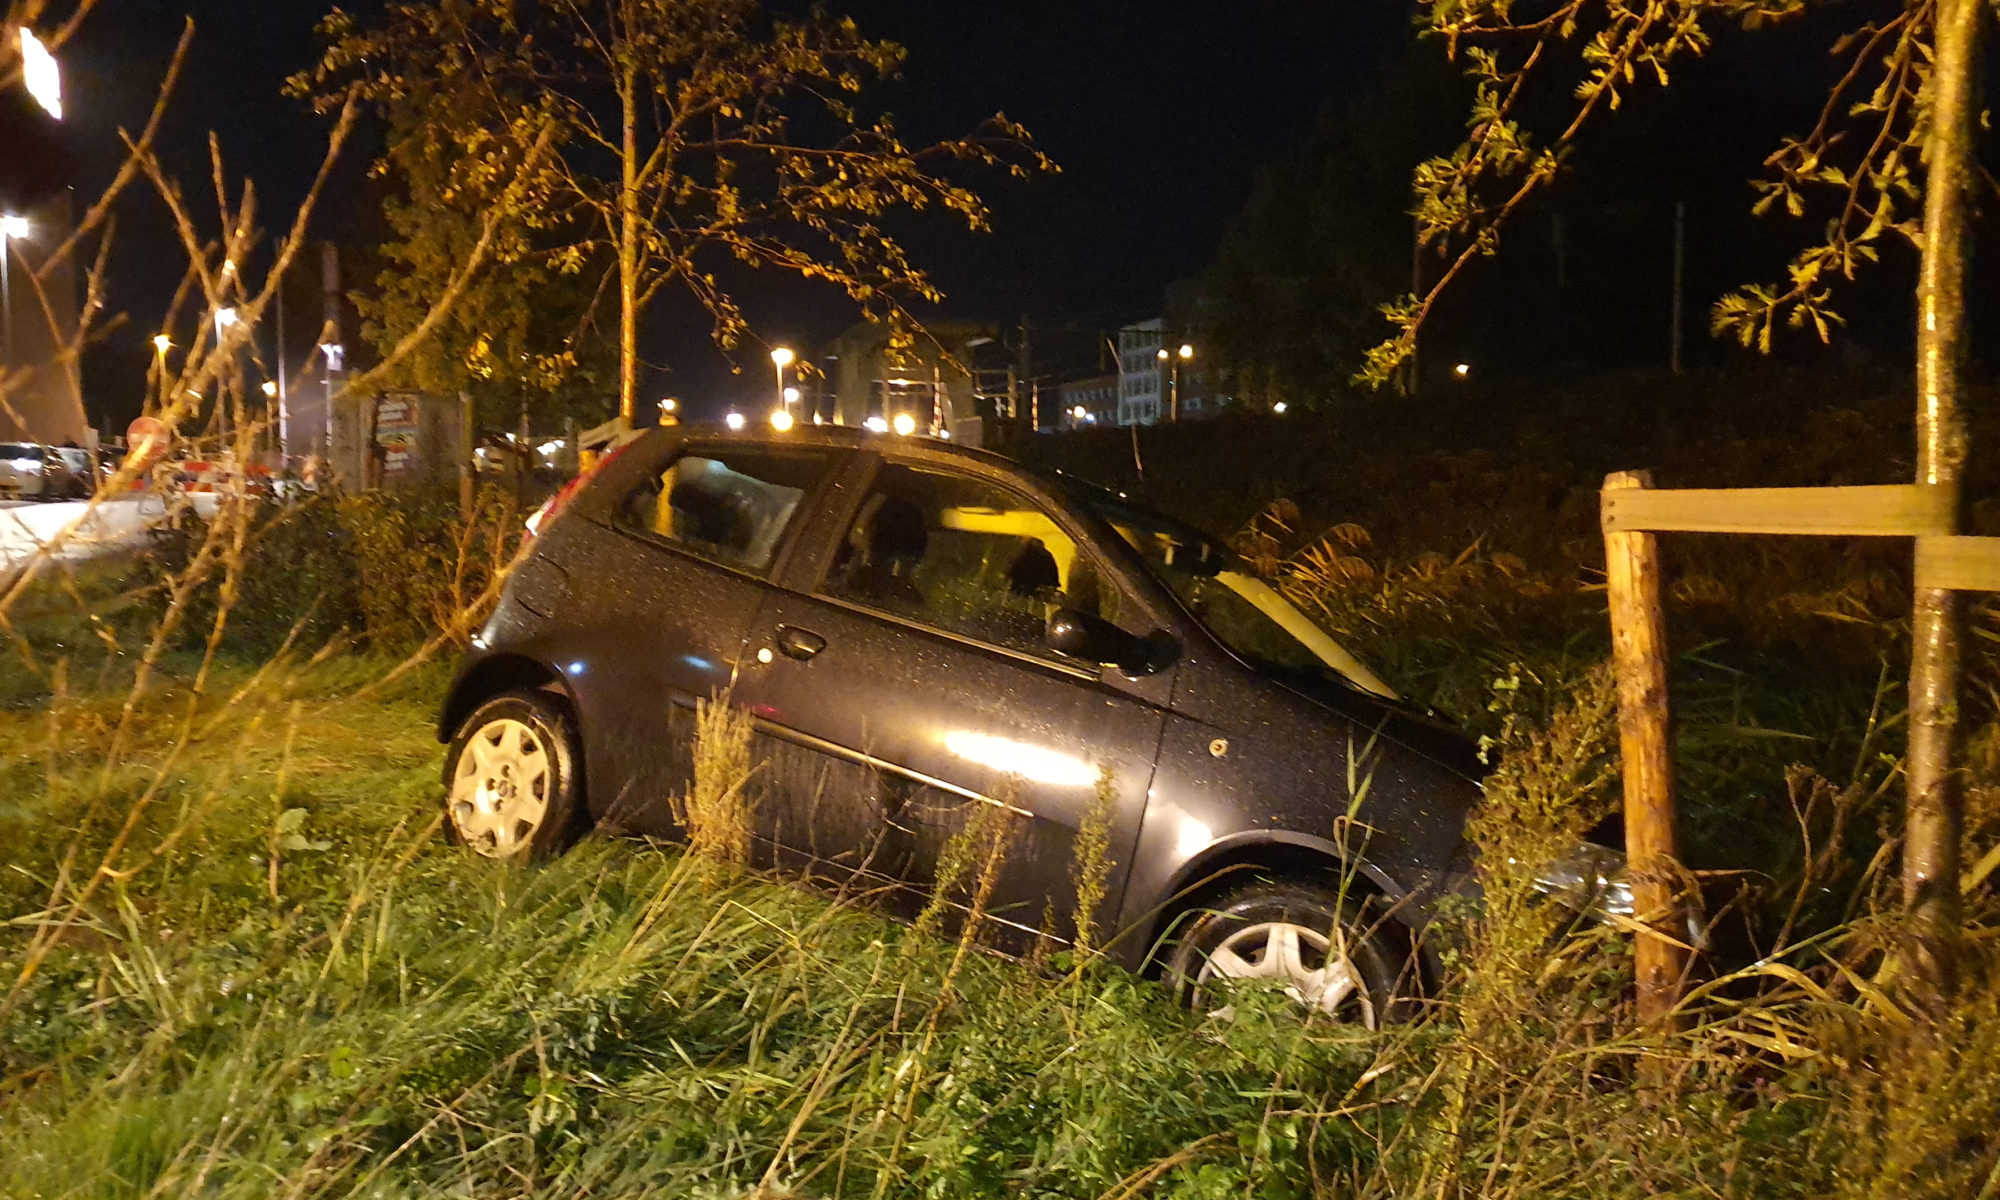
(672, 579)
(907, 686)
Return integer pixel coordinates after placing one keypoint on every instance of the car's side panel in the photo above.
(1250, 762)
(887, 742)
(647, 630)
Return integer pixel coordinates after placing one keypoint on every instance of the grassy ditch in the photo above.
(289, 984)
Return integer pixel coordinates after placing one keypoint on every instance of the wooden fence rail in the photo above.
(1631, 512)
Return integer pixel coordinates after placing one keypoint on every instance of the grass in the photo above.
(290, 985)
(338, 1003)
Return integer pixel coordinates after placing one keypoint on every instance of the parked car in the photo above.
(71, 473)
(23, 470)
(922, 630)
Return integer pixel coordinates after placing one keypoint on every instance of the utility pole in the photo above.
(1680, 267)
(284, 410)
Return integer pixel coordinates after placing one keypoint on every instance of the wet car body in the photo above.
(879, 734)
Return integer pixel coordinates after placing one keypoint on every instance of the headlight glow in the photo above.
(1590, 879)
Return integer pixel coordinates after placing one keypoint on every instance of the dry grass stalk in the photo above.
(716, 809)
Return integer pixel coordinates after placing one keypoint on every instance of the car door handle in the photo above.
(798, 643)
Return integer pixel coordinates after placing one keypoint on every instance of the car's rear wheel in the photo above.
(1333, 954)
(512, 786)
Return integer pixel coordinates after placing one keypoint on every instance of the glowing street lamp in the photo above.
(904, 424)
(1186, 354)
(40, 74)
(225, 318)
(781, 358)
(735, 420)
(781, 421)
(162, 343)
(270, 388)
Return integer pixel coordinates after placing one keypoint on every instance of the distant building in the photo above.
(1142, 383)
(1156, 381)
(1087, 402)
(43, 399)
(939, 380)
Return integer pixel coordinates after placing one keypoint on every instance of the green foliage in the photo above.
(652, 144)
(298, 574)
(397, 569)
(1863, 151)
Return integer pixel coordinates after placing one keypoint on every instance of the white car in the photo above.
(23, 469)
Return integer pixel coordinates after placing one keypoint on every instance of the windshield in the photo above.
(1243, 612)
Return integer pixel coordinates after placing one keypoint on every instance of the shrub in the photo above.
(395, 569)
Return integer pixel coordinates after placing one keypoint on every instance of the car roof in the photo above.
(849, 437)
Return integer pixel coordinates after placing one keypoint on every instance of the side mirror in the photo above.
(1094, 639)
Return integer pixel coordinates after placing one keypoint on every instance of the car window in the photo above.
(731, 506)
(966, 556)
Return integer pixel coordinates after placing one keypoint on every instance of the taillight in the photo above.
(555, 504)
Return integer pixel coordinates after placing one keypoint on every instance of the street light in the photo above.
(735, 420)
(781, 421)
(904, 424)
(1185, 355)
(781, 358)
(271, 388)
(12, 229)
(40, 73)
(224, 318)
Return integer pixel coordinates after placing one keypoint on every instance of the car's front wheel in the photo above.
(512, 787)
(1333, 954)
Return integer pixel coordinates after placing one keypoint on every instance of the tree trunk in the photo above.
(628, 223)
(1936, 802)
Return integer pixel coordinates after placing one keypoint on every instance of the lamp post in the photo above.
(1174, 375)
(161, 344)
(781, 358)
(12, 229)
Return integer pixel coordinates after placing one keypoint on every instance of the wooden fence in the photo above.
(1632, 511)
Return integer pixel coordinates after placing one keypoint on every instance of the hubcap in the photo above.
(1315, 973)
(500, 791)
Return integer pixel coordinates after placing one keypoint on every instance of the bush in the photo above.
(394, 569)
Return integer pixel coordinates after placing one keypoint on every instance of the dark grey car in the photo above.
(922, 631)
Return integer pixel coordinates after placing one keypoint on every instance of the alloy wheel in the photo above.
(500, 792)
(1314, 972)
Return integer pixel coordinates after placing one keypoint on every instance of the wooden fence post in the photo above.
(1639, 657)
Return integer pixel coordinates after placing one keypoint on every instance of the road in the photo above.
(26, 525)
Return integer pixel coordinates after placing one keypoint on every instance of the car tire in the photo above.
(513, 783)
(1335, 954)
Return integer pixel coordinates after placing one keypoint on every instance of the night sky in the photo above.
(1158, 115)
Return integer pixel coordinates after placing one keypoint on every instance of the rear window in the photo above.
(729, 505)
